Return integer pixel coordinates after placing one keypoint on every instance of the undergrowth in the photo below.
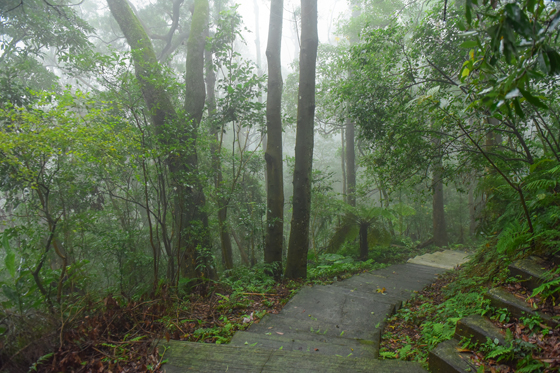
(431, 316)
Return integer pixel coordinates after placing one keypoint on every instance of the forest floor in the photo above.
(116, 333)
(118, 336)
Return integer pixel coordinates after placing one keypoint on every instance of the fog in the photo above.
(329, 14)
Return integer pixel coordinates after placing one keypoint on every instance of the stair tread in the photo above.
(307, 342)
(501, 298)
(531, 271)
(478, 329)
(286, 324)
(446, 358)
(202, 357)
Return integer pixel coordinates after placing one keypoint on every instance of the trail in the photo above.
(323, 328)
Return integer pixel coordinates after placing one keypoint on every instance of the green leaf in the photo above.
(554, 60)
(10, 259)
(532, 99)
(469, 44)
(468, 11)
(531, 5)
(517, 108)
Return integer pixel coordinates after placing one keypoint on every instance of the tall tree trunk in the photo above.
(193, 224)
(296, 266)
(273, 155)
(165, 120)
(350, 164)
(343, 160)
(440, 230)
(351, 130)
(223, 224)
(472, 211)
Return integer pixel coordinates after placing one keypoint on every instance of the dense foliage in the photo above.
(456, 120)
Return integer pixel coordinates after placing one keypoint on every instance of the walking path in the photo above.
(323, 328)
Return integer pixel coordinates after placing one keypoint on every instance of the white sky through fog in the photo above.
(329, 11)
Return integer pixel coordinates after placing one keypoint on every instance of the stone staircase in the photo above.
(448, 357)
(323, 328)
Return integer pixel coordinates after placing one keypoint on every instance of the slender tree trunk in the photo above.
(296, 266)
(364, 248)
(225, 234)
(244, 257)
(273, 154)
(264, 140)
(472, 210)
(351, 131)
(350, 164)
(440, 230)
(343, 161)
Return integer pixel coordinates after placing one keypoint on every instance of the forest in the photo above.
(177, 169)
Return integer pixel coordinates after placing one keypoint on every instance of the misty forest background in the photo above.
(171, 145)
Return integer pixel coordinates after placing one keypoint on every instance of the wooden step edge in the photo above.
(501, 298)
(446, 358)
(478, 330)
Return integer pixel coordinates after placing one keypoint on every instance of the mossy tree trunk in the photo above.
(296, 264)
(273, 155)
(170, 130)
(193, 224)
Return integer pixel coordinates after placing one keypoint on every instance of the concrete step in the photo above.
(447, 259)
(531, 271)
(501, 298)
(201, 357)
(286, 324)
(478, 330)
(314, 343)
(335, 306)
(404, 277)
(447, 358)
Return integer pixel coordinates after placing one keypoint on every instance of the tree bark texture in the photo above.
(296, 264)
(146, 66)
(193, 225)
(273, 154)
